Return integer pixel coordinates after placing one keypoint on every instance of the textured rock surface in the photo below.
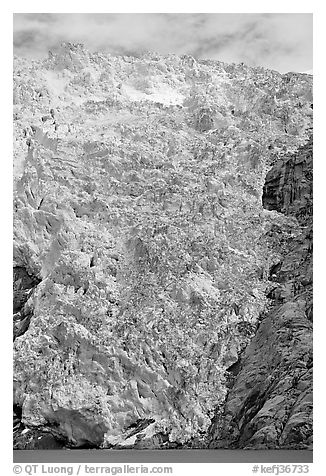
(270, 402)
(141, 240)
(288, 186)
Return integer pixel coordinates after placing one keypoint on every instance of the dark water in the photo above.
(163, 456)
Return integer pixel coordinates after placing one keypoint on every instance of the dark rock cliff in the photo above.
(269, 404)
(288, 186)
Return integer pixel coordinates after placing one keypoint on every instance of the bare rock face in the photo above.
(22, 290)
(288, 186)
(141, 247)
(32, 438)
(269, 404)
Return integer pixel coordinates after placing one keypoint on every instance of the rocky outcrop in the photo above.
(23, 287)
(140, 239)
(288, 186)
(269, 404)
(32, 438)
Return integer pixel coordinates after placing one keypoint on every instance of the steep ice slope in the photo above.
(139, 222)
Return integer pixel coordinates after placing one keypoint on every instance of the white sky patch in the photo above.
(281, 41)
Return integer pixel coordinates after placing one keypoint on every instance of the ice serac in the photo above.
(269, 404)
(142, 250)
